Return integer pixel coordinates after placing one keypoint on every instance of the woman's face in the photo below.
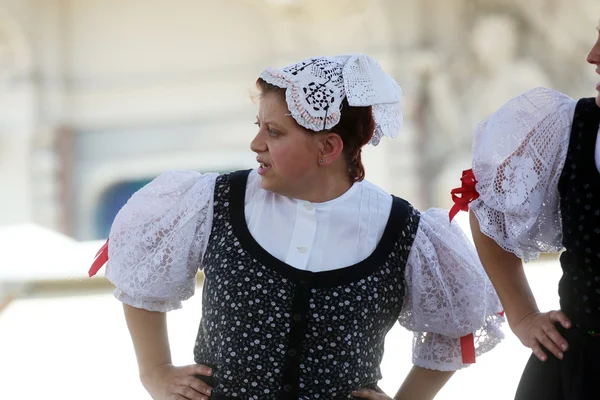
(287, 154)
(594, 58)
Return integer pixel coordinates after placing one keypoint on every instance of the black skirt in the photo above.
(575, 377)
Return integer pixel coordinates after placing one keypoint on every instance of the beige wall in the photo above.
(144, 86)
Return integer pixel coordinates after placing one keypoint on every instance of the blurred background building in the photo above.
(97, 97)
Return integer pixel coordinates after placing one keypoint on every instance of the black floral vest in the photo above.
(579, 189)
(271, 331)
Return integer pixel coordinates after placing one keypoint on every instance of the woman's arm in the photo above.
(148, 330)
(422, 384)
(508, 277)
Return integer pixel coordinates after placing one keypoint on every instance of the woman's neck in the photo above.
(325, 187)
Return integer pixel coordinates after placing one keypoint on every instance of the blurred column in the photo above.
(17, 115)
(49, 165)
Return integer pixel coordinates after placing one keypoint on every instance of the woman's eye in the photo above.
(270, 131)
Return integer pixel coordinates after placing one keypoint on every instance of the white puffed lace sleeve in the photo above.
(158, 238)
(518, 156)
(449, 297)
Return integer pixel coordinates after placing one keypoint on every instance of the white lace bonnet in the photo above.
(316, 87)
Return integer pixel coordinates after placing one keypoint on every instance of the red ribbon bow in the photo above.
(467, 193)
(101, 259)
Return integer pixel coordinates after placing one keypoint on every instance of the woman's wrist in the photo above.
(516, 317)
(148, 371)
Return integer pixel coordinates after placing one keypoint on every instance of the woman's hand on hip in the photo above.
(167, 382)
(539, 329)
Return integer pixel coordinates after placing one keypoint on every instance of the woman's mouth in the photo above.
(263, 168)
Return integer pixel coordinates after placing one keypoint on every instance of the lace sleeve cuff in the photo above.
(147, 304)
(445, 353)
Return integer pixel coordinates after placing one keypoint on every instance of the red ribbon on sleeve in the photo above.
(467, 346)
(467, 349)
(467, 193)
(101, 259)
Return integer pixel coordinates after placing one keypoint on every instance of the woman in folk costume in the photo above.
(535, 187)
(307, 266)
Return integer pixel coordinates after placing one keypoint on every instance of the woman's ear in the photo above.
(330, 146)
